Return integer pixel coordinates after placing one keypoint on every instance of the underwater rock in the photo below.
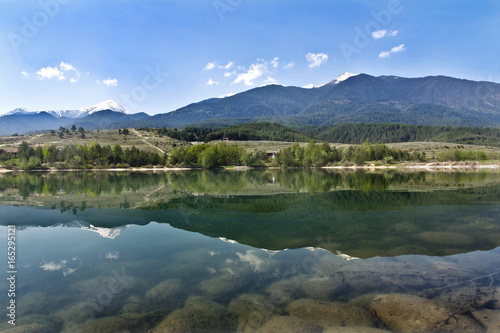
(285, 291)
(445, 238)
(329, 314)
(322, 287)
(135, 304)
(408, 313)
(34, 302)
(285, 324)
(116, 324)
(31, 328)
(76, 314)
(198, 315)
(489, 319)
(252, 311)
(354, 329)
(166, 292)
(224, 284)
(32, 324)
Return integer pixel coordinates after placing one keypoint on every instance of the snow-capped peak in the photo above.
(106, 105)
(18, 111)
(338, 79)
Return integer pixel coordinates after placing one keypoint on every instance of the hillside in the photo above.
(433, 100)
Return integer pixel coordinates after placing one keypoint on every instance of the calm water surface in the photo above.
(252, 251)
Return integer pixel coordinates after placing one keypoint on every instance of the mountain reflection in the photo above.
(363, 214)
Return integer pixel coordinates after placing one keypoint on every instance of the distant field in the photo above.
(141, 140)
(153, 143)
(430, 148)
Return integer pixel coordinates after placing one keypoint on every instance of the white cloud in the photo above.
(289, 65)
(110, 82)
(227, 95)
(316, 59)
(255, 262)
(228, 74)
(24, 73)
(395, 49)
(66, 67)
(58, 73)
(212, 65)
(212, 82)
(112, 255)
(270, 80)
(209, 66)
(379, 34)
(384, 54)
(274, 62)
(255, 71)
(384, 33)
(50, 73)
(52, 266)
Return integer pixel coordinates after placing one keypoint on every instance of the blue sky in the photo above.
(155, 56)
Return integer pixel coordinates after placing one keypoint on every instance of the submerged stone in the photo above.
(285, 291)
(166, 292)
(198, 315)
(252, 311)
(329, 314)
(124, 323)
(322, 287)
(31, 328)
(224, 284)
(285, 324)
(408, 313)
(354, 329)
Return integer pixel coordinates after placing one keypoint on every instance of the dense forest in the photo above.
(342, 133)
(257, 131)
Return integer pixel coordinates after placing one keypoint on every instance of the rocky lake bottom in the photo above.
(383, 260)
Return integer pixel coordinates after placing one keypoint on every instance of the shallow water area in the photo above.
(254, 251)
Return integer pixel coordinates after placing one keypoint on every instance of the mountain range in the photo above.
(350, 98)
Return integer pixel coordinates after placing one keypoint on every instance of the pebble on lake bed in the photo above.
(408, 313)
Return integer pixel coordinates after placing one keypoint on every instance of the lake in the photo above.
(252, 251)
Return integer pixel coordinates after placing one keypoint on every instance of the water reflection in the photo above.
(356, 213)
(254, 251)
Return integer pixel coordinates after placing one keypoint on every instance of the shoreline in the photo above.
(427, 166)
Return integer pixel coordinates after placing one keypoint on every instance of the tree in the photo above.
(117, 153)
(25, 151)
(73, 128)
(52, 132)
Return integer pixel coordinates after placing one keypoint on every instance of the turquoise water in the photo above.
(249, 251)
